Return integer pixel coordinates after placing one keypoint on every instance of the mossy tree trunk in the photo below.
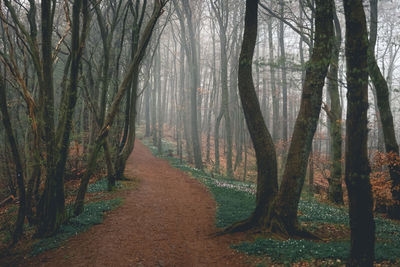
(267, 183)
(286, 203)
(357, 165)
(335, 192)
(51, 206)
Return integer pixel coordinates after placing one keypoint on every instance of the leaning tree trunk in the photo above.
(357, 165)
(267, 183)
(123, 156)
(285, 206)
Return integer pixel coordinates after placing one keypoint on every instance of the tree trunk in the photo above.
(195, 84)
(263, 144)
(51, 206)
(284, 80)
(222, 18)
(357, 166)
(335, 192)
(147, 111)
(52, 203)
(274, 92)
(286, 204)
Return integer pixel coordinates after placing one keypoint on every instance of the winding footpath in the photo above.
(167, 221)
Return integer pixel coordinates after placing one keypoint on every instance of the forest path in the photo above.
(167, 221)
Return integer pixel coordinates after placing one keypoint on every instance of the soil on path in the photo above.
(168, 221)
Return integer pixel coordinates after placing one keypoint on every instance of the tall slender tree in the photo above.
(193, 60)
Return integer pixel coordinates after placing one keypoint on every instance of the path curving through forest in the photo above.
(168, 221)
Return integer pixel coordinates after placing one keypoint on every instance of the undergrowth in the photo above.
(236, 200)
(92, 215)
(101, 186)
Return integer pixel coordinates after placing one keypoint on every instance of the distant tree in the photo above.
(221, 11)
(192, 54)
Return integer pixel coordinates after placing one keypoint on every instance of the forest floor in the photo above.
(168, 221)
(170, 213)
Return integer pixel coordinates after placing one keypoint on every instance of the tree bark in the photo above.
(357, 166)
(335, 192)
(286, 204)
(52, 203)
(267, 184)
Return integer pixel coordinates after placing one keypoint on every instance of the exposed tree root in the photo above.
(241, 226)
(273, 227)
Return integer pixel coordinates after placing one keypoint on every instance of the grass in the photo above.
(92, 215)
(236, 200)
(233, 205)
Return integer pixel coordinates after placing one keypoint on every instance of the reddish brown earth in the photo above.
(168, 221)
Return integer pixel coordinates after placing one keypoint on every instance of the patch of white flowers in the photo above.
(249, 188)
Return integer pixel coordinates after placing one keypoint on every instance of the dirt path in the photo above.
(168, 221)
